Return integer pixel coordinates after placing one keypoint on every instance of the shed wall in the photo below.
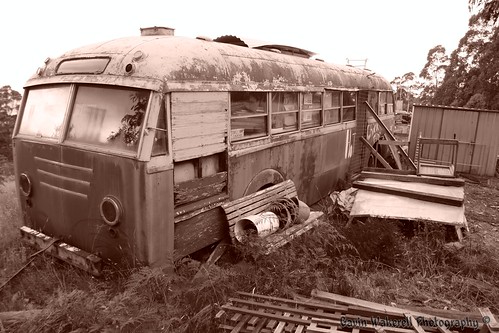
(476, 130)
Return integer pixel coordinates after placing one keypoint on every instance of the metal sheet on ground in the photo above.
(368, 203)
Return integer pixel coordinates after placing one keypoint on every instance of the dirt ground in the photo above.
(482, 210)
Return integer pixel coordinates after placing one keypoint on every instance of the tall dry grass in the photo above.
(373, 259)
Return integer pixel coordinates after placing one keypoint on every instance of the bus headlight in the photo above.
(25, 184)
(110, 210)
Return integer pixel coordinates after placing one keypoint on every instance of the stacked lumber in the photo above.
(327, 313)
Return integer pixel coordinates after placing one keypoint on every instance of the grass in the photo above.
(374, 260)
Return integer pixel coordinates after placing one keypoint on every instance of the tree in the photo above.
(407, 89)
(488, 9)
(433, 72)
(9, 105)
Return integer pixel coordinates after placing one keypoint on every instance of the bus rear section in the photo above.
(83, 179)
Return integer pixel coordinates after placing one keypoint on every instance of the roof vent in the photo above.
(157, 31)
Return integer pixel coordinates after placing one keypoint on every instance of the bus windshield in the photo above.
(108, 117)
(44, 112)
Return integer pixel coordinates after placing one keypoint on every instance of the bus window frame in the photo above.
(144, 146)
(134, 154)
(273, 131)
(65, 118)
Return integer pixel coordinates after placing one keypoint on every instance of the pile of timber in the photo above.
(327, 313)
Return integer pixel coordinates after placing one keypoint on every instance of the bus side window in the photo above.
(332, 107)
(161, 134)
(349, 105)
(372, 99)
(382, 102)
(284, 112)
(389, 101)
(248, 115)
(311, 109)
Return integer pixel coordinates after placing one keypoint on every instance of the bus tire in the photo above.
(263, 179)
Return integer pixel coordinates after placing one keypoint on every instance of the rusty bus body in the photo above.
(126, 149)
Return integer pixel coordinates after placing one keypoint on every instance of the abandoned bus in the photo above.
(124, 150)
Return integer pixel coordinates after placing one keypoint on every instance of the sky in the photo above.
(393, 35)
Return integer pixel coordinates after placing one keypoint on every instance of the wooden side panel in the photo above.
(199, 124)
(200, 231)
(200, 188)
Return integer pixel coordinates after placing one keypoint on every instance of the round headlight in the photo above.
(25, 185)
(110, 210)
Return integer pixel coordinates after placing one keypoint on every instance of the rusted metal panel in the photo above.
(199, 124)
(476, 131)
(68, 187)
(192, 64)
(315, 164)
(486, 148)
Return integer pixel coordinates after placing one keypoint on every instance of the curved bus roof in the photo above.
(167, 63)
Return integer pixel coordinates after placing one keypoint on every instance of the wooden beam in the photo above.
(376, 307)
(390, 136)
(375, 153)
(393, 143)
(437, 198)
(414, 179)
(392, 171)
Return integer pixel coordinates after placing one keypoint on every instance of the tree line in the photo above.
(469, 76)
(9, 106)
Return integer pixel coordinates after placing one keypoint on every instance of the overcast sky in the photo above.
(393, 35)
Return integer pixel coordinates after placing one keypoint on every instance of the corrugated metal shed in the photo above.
(476, 130)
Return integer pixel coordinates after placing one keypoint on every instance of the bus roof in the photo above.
(168, 63)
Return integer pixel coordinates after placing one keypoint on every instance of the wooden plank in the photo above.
(492, 325)
(287, 191)
(259, 205)
(285, 309)
(375, 153)
(325, 306)
(393, 143)
(285, 188)
(197, 183)
(200, 188)
(199, 231)
(268, 191)
(196, 141)
(197, 97)
(277, 240)
(189, 210)
(198, 119)
(414, 178)
(188, 131)
(376, 307)
(194, 152)
(390, 136)
(266, 315)
(438, 141)
(390, 171)
(437, 198)
(415, 324)
(244, 207)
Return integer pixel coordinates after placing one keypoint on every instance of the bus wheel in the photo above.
(262, 180)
